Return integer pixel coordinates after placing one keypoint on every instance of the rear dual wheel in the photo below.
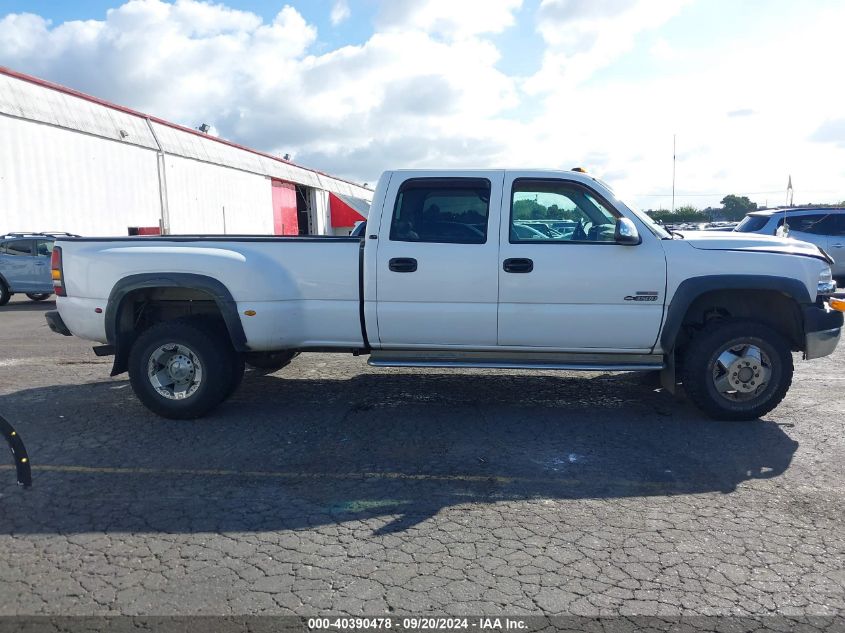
(183, 369)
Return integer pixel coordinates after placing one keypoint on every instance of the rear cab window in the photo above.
(442, 210)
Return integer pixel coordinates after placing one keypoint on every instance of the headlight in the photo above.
(826, 284)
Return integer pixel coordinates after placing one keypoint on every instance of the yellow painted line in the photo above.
(293, 476)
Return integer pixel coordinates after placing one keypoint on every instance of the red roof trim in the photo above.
(81, 95)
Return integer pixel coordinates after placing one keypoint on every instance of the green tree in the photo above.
(735, 207)
(687, 213)
(528, 210)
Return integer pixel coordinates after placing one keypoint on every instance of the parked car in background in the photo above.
(719, 226)
(543, 227)
(25, 265)
(824, 227)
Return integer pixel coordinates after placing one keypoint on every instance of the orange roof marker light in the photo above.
(580, 170)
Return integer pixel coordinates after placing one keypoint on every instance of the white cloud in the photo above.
(662, 50)
(426, 89)
(340, 12)
(583, 36)
(448, 18)
(407, 89)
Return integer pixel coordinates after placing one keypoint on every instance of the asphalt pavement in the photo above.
(333, 487)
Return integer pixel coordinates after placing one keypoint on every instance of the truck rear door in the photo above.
(436, 277)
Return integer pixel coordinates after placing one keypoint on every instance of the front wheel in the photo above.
(38, 296)
(181, 369)
(737, 370)
(5, 295)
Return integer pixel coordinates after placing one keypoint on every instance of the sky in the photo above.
(750, 91)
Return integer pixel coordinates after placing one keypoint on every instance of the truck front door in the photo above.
(437, 258)
(564, 282)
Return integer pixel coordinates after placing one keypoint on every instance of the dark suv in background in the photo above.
(25, 264)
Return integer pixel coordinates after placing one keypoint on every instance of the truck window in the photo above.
(442, 210)
(752, 223)
(558, 211)
(813, 224)
(44, 247)
(17, 247)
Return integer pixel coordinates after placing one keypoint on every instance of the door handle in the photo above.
(838, 245)
(518, 265)
(403, 264)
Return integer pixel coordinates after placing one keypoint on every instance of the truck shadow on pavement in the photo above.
(389, 449)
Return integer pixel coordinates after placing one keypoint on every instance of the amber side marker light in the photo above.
(250, 312)
(837, 304)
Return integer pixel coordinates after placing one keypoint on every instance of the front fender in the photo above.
(690, 289)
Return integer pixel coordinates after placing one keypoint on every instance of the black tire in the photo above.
(219, 330)
(270, 361)
(701, 366)
(38, 296)
(205, 346)
(5, 295)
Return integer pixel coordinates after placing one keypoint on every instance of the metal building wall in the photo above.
(52, 179)
(73, 163)
(198, 192)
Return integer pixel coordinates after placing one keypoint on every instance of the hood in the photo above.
(752, 243)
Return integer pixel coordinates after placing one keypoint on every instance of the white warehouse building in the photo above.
(71, 162)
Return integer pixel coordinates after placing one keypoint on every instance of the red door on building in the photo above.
(284, 208)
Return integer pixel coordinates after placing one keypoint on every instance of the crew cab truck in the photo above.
(452, 271)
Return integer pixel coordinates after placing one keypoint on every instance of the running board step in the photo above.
(485, 360)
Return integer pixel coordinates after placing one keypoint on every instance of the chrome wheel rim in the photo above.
(174, 371)
(741, 372)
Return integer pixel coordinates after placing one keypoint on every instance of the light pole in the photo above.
(674, 136)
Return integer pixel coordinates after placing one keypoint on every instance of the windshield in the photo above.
(646, 219)
(751, 223)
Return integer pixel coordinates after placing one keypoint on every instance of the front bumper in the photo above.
(822, 329)
(55, 323)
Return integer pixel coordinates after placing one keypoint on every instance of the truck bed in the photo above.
(311, 283)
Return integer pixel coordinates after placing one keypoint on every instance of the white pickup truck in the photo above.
(493, 268)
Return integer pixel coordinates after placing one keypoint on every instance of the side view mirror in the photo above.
(626, 232)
